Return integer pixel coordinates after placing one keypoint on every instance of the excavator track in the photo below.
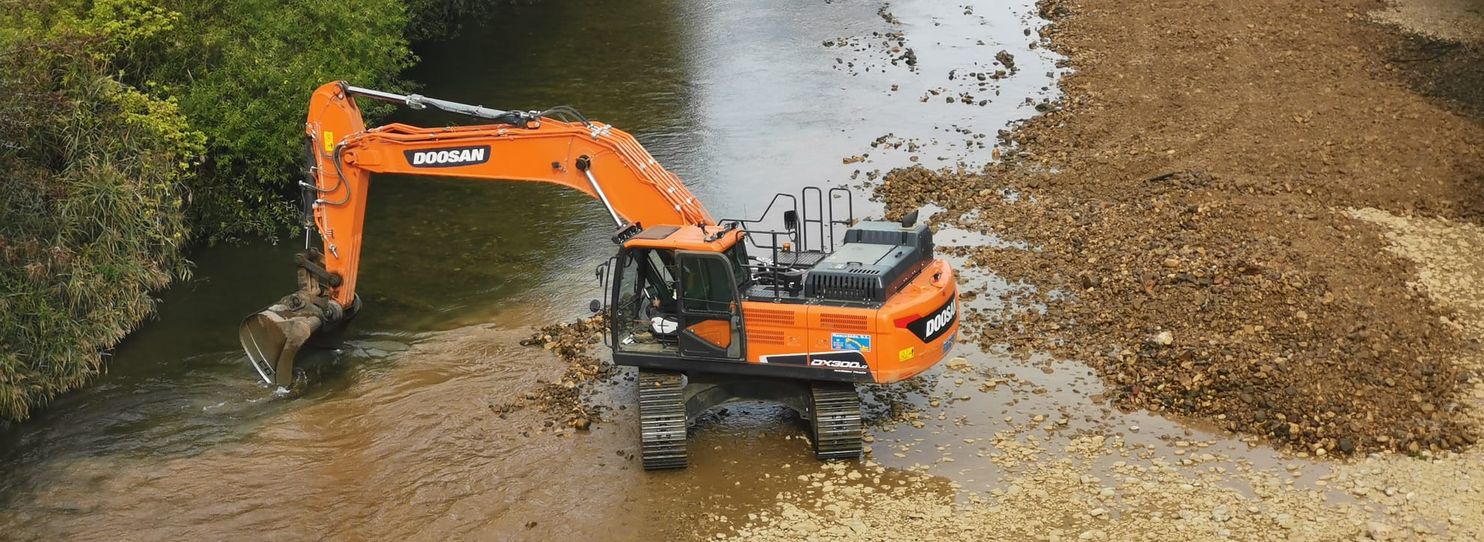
(836, 420)
(662, 419)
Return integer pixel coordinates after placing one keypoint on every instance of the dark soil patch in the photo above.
(1184, 210)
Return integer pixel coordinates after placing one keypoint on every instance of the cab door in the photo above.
(710, 315)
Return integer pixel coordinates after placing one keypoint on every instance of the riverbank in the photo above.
(1188, 205)
(135, 130)
(1259, 217)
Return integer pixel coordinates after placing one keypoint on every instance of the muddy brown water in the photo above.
(395, 437)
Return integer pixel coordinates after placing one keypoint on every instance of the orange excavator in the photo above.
(710, 312)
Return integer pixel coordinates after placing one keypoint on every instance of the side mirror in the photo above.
(595, 305)
(791, 220)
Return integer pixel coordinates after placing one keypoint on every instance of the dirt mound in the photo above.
(568, 398)
(1184, 213)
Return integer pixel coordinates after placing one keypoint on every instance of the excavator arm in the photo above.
(593, 158)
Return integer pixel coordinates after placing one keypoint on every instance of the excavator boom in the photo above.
(593, 158)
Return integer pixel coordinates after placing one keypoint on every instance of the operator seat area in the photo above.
(673, 302)
(648, 306)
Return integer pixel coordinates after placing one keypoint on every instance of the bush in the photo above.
(243, 72)
(129, 127)
(91, 216)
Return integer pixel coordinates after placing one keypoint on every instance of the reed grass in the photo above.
(92, 219)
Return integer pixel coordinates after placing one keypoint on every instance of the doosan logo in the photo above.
(932, 326)
(937, 323)
(458, 156)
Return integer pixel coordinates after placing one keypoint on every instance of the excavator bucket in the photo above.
(272, 339)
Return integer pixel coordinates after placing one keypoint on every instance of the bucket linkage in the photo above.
(272, 337)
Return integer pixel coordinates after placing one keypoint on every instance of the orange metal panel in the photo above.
(689, 238)
(717, 332)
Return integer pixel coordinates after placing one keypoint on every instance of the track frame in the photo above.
(671, 401)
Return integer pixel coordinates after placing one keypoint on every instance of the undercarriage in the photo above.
(670, 402)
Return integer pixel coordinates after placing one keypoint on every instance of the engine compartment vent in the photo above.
(875, 261)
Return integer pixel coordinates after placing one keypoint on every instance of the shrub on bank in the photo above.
(91, 215)
(130, 127)
(243, 72)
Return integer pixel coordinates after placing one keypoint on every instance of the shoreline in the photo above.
(1202, 283)
(1347, 232)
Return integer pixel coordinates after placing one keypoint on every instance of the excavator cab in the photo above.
(677, 294)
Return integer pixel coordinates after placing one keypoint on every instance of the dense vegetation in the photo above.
(129, 128)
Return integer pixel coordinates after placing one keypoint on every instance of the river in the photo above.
(395, 436)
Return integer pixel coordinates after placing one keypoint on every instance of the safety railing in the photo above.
(808, 234)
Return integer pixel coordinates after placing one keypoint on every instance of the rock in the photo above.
(1347, 445)
(1088, 281)
(1284, 520)
(1006, 59)
(1378, 531)
(582, 424)
(1164, 338)
(1221, 514)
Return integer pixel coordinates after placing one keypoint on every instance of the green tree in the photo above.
(242, 72)
(128, 127)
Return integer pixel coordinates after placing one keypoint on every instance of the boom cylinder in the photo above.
(585, 165)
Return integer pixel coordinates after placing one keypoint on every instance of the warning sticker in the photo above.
(850, 341)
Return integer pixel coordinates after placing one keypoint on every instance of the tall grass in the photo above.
(92, 220)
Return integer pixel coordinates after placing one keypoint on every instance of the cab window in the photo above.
(706, 284)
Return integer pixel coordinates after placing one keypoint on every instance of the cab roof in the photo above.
(713, 239)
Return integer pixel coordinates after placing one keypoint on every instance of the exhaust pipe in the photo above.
(272, 337)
